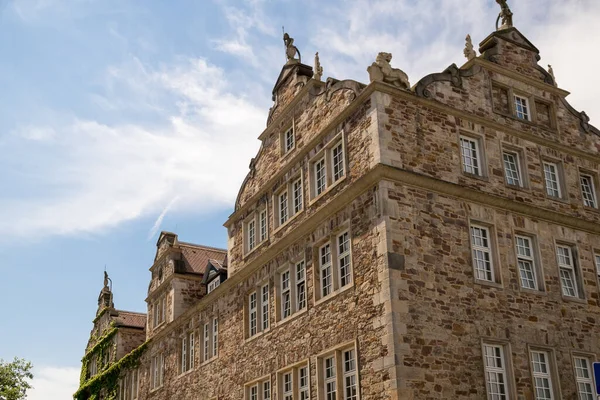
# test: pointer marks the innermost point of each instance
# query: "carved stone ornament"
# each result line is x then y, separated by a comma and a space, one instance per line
505, 16
469, 52
551, 72
290, 49
318, 69
381, 70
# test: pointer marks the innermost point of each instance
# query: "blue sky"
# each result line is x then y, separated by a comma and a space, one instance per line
122, 118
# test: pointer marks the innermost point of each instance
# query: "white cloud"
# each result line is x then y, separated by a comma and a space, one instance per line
100, 175
54, 383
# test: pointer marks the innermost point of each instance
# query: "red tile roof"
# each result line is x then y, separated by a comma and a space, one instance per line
131, 319
196, 257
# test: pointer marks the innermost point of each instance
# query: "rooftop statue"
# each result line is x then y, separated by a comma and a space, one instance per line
505, 15
468, 51
318, 69
381, 70
105, 279
290, 49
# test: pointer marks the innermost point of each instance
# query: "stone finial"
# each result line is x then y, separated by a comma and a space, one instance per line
106, 279
551, 72
318, 69
505, 16
290, 49
381, 70
469, 52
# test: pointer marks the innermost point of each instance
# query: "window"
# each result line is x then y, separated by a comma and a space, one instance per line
529, 271
328, 167
597, 259
262, 218
292, 290
260, 390
293, 383
512, 169
320, 181
335, 265
583, 376
588, 191
258, 310
187, 352
482, 253
93, 365
135, 384
542, 381
158, 311
338, 371
495, 372
289, 140
552, 179
256, 229
157, 371
522, 108
215, 338
567, 271
212, 285
289, 201
210, 339
471, 158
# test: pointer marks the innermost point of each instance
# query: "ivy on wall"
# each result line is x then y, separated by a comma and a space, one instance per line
108, 379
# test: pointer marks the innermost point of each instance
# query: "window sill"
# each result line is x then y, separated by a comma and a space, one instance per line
189, 371
156, 389
258, 246
289, 220
483, 178
257, 335
291, 317
334, 294
574, 299
517, 187
537, 292
327, 190
210, 360
591, 209
557, 199
488, 283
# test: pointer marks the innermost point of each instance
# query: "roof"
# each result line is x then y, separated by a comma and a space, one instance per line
195, 257
130, 319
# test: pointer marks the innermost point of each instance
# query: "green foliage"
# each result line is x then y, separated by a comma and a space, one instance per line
109, 378
14, 378
103, 345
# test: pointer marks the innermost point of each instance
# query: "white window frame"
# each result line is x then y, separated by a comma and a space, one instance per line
187, 352
567, 269
258, 310
472, 163
336, 375
597, 264
513, 172
588, 190
552, 179
525, 250
495, 365
215, 283
291, 290
584, 377
157, 371
206, 342
540, 360
135, 383
294, 382
210, 339
215, 337
159, 309
288, 140
289, 201
522, 107
479, 247
255, 229
331, 264
328, 167
259, 389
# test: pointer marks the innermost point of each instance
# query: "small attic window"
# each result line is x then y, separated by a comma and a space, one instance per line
160, 274
212, 285
288, 140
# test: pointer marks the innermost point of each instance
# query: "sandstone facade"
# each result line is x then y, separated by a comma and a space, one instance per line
397, 194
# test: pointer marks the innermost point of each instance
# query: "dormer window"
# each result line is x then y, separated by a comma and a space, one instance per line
212, 285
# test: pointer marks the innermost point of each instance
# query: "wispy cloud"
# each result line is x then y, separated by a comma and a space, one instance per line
154, 230
98, 175
53, 383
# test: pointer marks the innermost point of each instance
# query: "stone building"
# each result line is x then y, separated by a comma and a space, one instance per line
433, 241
